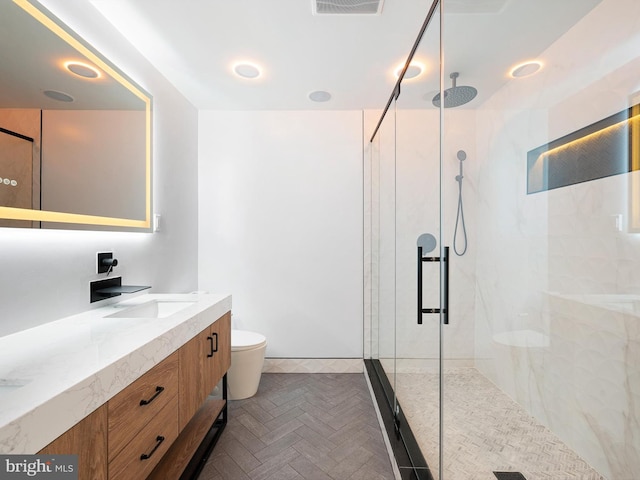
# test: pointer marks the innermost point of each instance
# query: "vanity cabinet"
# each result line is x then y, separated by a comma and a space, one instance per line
146, 448
143, 421
153, 427
203, 362
87, 439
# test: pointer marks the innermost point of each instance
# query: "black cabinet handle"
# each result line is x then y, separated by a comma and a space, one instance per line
146, 456
210, 354
213, 350
159, 390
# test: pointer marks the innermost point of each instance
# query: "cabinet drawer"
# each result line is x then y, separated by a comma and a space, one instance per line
152, 441
140, 402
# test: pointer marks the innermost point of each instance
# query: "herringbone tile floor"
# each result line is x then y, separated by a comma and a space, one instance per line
302, 426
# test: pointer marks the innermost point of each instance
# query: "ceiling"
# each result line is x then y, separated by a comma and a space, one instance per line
194, 43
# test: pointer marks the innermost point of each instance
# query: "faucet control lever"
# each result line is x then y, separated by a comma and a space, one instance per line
106, 262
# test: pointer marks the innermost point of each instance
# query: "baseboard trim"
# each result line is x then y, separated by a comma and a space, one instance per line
313, 365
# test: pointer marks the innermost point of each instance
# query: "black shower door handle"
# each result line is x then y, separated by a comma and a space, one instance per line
445, 287
445, 293
419, 285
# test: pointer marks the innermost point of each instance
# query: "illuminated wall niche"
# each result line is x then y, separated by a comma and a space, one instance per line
608, 147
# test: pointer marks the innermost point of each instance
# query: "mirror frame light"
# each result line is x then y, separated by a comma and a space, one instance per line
12, 213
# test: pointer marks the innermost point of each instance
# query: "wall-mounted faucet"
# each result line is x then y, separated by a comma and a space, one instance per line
110, 287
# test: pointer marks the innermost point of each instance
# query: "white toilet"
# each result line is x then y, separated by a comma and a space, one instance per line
247, 358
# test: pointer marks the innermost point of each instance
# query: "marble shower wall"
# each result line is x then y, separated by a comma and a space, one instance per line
544, 333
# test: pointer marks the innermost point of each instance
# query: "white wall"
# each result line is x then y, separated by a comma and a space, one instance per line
280, 216
45, 274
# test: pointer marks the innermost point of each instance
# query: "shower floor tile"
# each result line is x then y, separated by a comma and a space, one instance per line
302, 426
485, 430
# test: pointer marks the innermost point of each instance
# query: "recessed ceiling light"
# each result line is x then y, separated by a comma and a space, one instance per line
414, 70
246, 70
525, 69
82, 69
320, 96
59, 96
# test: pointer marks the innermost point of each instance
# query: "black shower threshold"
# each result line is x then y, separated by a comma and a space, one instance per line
411, 463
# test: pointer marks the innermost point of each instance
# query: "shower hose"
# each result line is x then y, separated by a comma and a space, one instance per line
460, 221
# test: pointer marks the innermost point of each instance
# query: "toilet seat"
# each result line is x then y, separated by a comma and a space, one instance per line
245, 340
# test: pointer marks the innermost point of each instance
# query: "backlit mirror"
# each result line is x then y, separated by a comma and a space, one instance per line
75, 132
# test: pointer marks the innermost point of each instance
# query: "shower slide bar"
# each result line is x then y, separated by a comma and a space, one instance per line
445, 309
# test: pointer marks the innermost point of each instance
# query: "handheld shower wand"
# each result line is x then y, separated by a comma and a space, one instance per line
462, 156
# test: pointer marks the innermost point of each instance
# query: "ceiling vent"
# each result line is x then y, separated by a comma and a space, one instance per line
347, 7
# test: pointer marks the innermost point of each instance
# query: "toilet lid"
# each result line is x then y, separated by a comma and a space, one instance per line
244, 340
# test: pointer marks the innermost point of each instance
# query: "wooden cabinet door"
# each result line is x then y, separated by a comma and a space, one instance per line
88, 440
221, 330
192, 372
203, 362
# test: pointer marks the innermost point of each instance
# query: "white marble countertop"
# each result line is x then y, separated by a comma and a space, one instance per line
69, 367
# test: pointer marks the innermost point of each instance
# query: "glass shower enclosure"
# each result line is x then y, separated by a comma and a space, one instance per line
502, 295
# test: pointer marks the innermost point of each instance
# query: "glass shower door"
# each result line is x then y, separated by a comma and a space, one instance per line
381, 202
534, 186
419, 259
404, 192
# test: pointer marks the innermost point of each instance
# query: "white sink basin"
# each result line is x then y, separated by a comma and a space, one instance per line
152, 309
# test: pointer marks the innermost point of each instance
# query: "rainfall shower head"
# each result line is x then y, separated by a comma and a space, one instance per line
455, 96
